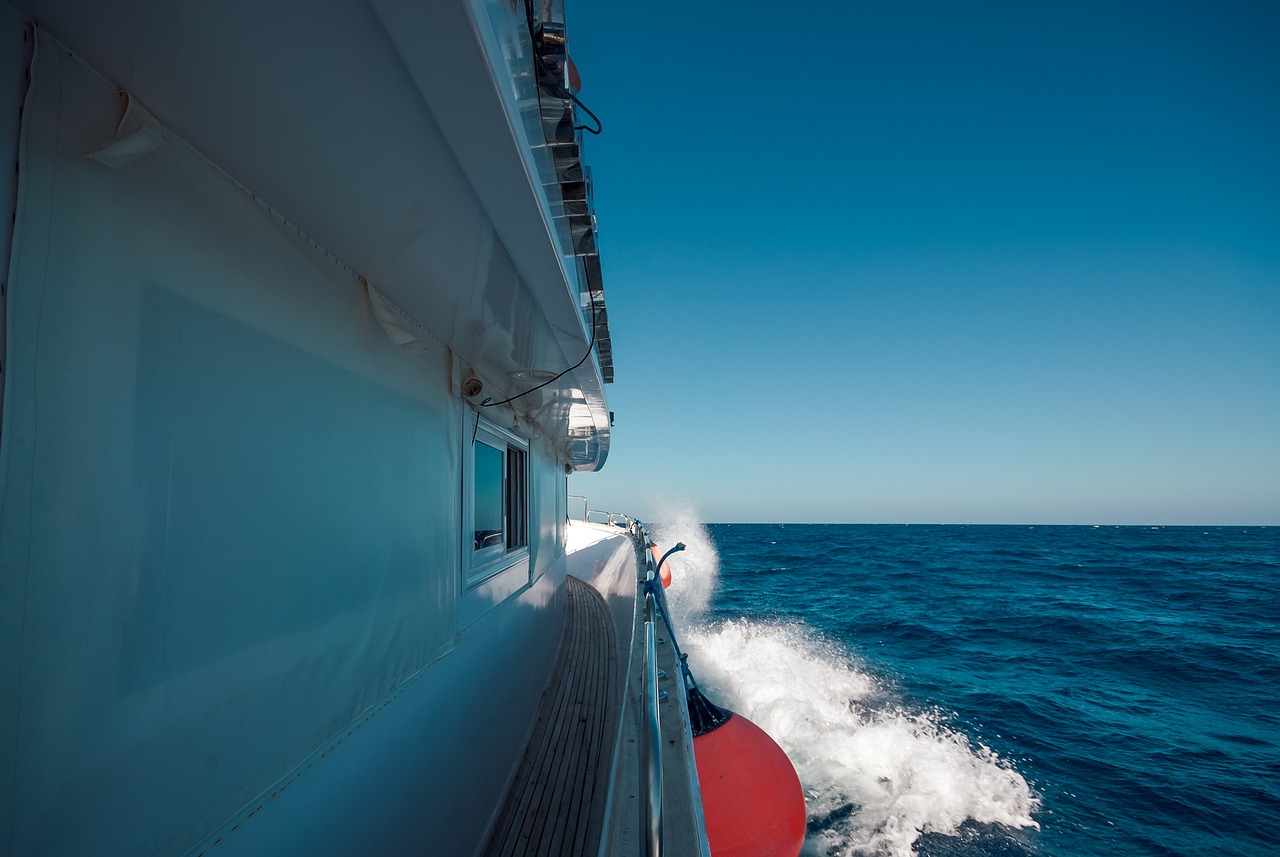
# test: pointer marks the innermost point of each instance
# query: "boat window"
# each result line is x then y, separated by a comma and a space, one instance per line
517, 498
497, 505
488, 502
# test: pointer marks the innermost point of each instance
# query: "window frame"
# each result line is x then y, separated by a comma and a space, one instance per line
515, 498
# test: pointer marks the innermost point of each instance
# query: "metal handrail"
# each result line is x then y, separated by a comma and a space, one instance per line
615, 519
651, 772
651, 729
656, 603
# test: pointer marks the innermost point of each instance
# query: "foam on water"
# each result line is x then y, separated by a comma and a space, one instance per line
876, 775
695, 570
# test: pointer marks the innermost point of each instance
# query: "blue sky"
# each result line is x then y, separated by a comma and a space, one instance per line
1007, 263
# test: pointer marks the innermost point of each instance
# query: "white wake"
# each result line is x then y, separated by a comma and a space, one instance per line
876, 775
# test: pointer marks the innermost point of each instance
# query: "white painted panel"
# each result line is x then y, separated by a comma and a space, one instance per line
230, 502
381, 133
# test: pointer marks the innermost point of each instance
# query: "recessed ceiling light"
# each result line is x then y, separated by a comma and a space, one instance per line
531, 375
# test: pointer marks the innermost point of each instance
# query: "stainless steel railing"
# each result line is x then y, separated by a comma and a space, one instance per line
651, 771
616, 519
655, 607
651, 729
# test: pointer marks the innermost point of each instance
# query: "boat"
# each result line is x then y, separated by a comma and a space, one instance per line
304, 331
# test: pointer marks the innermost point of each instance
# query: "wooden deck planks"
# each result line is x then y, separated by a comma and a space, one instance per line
555, 805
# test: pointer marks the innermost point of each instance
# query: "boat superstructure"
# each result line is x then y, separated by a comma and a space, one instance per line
304, 330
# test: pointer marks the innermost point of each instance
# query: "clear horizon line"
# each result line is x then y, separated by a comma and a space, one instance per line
978, 524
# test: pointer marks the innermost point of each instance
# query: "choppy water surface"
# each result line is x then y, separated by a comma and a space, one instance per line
981, 690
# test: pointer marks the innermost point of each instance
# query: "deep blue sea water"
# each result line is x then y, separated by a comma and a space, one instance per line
1063, 691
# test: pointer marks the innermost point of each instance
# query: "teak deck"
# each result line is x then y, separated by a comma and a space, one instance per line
556, 803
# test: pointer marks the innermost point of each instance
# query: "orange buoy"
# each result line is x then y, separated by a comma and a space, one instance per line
665, 571
751, 796
575, 79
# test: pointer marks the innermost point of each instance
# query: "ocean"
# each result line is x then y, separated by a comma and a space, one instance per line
1065, 691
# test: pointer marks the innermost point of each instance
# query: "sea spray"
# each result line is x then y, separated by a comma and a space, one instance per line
694, 570
877, 774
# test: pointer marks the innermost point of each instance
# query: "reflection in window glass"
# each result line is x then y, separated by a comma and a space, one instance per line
517, 499
487, 470
495, 502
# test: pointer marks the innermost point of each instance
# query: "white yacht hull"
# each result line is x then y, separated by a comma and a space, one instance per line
236, 607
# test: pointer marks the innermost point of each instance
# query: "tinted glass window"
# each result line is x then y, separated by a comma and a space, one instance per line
487, 471
517, 499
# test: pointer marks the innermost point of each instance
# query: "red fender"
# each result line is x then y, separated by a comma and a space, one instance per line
751, 796
575, 79
665, 571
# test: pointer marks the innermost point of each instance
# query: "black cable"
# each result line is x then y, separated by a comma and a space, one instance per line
590, 345
528, 7
587, 110
565, 92
562, 91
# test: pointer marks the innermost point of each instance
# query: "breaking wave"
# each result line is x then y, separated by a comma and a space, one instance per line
877, 775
